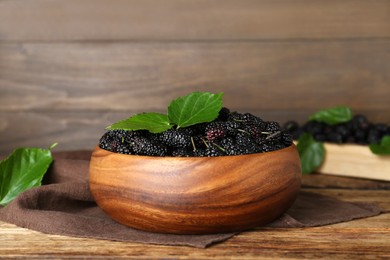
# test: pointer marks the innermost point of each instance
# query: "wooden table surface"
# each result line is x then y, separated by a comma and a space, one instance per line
357, 239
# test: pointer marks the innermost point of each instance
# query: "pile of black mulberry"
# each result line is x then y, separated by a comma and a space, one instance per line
232, 133
358, 130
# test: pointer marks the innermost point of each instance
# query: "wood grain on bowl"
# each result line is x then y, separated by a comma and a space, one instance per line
195, 195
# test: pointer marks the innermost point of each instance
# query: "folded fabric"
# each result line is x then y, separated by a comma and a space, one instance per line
64, 206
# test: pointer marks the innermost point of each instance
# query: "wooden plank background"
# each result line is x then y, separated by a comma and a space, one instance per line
70, 68
59, 20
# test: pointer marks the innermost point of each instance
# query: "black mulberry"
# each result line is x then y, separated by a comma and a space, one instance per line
175, 138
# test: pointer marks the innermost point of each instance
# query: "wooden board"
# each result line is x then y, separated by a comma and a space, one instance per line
355, 161
70, 20
363, 238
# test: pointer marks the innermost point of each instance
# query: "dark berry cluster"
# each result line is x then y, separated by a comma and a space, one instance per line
232, 133
358, 130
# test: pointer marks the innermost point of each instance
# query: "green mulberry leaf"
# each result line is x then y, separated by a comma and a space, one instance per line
22, 170
383, 148
312, 153
332, 116
153, 122
195, 108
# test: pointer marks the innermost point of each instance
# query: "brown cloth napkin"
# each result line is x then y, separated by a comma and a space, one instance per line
64, 206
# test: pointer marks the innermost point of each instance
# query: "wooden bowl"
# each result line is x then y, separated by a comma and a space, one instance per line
195, 195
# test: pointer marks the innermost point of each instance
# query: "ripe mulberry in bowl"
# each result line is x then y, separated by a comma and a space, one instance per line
233, 174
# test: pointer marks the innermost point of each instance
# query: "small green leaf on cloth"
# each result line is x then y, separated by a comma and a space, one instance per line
153, 122
195, 108
383, 148
22, 170
311, 152
332, 116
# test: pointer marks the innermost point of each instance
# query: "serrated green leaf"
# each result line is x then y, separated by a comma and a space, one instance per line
22, 170
153, 122
383, 148
195, 108
312, 153
332, 116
